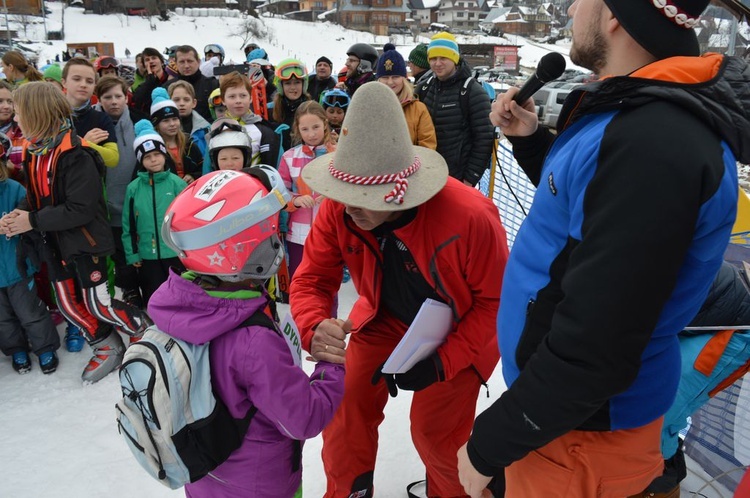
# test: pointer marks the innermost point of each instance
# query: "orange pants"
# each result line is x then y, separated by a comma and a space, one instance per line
584, 464
441, 419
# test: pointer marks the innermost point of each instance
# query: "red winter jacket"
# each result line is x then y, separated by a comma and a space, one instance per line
460, 247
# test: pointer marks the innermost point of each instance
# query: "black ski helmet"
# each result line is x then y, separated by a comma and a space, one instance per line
365, 53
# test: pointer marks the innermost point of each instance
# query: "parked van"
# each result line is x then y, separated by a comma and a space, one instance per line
549, 101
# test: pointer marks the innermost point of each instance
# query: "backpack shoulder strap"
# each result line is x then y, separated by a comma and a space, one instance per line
463, 98
261, 319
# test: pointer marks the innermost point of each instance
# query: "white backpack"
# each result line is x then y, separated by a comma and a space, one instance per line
174, 425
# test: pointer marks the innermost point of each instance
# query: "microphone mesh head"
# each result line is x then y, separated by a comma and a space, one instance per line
550, 67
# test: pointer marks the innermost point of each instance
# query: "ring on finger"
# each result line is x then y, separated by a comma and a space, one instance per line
326, 348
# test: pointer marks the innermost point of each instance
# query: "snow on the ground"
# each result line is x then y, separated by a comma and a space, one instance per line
59, 439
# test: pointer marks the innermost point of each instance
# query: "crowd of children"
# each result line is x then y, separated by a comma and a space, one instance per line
94, 223
110, 244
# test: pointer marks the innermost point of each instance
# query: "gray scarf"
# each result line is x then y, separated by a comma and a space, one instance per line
121, 175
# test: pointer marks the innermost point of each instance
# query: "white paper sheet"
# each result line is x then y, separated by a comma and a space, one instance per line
427, 332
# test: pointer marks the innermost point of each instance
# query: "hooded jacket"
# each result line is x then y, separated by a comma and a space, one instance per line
146, 201
250, 366
419, 123
637, 196
464, 136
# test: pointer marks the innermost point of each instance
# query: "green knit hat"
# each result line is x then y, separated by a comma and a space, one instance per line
53, 72
418, 56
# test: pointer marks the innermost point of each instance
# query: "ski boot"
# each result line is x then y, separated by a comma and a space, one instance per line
108, 353
73, 339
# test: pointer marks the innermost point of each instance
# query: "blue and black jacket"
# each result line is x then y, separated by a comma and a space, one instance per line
635, 202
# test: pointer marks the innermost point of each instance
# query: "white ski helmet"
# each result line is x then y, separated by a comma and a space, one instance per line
225, 133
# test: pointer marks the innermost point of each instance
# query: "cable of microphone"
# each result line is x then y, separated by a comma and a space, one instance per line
550, 67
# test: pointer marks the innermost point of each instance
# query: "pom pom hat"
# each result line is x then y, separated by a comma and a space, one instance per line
391, 63
162, 107
418, 56
444, 45
147, 140
375, 165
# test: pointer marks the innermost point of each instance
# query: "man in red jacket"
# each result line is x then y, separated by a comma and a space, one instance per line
407, 232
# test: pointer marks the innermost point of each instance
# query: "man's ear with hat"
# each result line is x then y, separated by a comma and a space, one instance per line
375, 165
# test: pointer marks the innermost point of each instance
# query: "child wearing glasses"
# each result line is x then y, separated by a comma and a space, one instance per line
291, 91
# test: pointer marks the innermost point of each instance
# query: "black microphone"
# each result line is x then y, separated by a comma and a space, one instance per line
550, 67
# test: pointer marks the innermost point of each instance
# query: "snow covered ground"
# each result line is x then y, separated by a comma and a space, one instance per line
58, 438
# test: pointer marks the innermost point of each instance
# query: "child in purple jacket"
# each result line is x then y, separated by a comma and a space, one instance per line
229, 248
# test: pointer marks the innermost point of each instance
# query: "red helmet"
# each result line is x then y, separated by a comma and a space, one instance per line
226, 224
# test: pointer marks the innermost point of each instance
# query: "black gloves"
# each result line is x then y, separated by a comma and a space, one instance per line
420, 376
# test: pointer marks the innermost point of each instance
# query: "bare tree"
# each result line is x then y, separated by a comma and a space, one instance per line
24, 20
251, 29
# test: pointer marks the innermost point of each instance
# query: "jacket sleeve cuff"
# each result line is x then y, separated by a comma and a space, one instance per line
478, 462
542, 137
33, 219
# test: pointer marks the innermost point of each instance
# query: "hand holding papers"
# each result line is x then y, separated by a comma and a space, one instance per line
427, 332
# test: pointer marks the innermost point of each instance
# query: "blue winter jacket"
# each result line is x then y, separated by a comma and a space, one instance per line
635, 202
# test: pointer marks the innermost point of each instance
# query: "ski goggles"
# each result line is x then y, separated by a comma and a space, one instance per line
292, 70
215, 49
224, 125
216, 101
335, 100
108, 62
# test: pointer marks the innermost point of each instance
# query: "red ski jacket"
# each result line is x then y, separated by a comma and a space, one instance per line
460, 247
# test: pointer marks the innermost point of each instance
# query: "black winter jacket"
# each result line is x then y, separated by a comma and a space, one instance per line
728, 301
142, 94
464, 136
315, 87
74, 220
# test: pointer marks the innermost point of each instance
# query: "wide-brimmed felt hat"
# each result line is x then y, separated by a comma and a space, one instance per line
663, 27
375, 165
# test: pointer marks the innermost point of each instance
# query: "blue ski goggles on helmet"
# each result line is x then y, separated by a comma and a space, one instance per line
335, 98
